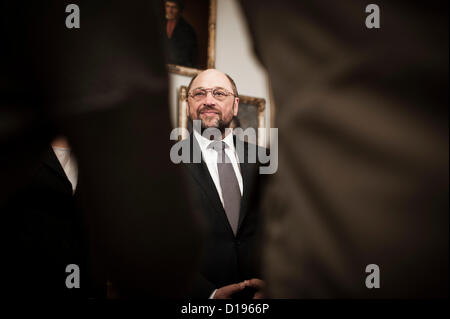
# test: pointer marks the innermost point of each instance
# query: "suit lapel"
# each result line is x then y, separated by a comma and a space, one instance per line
52, 162
201, 175
245, 170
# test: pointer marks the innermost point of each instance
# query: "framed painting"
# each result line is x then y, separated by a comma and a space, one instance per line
190, 34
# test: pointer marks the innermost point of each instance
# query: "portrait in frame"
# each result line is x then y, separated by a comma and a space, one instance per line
190, 32
251, 113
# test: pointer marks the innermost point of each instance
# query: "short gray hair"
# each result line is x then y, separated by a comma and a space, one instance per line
233, 85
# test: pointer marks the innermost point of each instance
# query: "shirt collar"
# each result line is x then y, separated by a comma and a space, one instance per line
204, 142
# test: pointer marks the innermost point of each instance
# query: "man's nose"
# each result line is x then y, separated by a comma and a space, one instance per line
209, 99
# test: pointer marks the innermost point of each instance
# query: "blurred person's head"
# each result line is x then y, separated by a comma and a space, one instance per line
173, 9
61, 142
212, 98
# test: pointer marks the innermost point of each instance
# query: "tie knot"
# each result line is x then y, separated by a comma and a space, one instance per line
218, 146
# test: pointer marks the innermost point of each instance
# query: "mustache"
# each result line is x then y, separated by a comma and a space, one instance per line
208, 108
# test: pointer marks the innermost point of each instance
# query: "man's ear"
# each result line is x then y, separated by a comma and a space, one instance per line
187, 108
236, 106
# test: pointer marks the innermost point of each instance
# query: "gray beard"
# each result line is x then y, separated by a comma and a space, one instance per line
220, 125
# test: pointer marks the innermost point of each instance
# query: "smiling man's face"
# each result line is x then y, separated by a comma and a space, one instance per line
212, 112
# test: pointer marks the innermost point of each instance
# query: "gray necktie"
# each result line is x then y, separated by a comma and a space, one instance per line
231, 193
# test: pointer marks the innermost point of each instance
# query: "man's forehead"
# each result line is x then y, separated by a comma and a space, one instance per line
212, 78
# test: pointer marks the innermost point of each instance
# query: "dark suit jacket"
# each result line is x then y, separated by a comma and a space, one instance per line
51, 236
227, 258
363, 147
94, 85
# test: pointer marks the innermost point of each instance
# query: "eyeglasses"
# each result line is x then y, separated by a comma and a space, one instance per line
219, 94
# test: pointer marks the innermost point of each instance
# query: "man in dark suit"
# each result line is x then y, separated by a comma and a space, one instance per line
225, 186
52, 233
181, 36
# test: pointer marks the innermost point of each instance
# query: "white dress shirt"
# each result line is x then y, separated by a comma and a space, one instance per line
68, 163
210, 157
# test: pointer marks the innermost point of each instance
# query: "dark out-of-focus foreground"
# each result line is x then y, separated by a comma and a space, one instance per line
362, 119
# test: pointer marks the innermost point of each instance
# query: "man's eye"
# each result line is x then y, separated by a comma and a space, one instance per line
199, 93
219, 93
